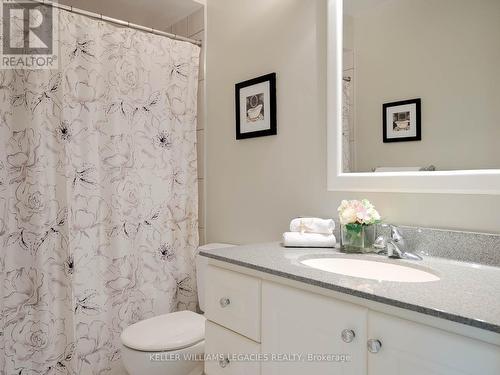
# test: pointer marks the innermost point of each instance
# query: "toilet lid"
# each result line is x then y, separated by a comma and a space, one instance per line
165, 332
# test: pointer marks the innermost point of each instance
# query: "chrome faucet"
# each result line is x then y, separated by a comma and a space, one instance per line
396, 246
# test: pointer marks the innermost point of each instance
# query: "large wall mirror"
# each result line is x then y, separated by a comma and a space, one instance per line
414, 95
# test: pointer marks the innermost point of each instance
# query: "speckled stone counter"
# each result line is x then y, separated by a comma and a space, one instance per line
466, 293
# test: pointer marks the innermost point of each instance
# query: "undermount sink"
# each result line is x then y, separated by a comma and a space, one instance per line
374, 270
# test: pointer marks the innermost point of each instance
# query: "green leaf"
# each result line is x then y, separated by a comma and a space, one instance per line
354, 227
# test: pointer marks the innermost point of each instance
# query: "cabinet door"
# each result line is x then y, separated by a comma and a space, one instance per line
410, 348
228, 353
233, 301
295, 323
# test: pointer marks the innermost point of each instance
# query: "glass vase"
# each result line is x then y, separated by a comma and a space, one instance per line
357, 238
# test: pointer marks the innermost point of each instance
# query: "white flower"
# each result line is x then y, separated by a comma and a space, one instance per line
22, 154
84, 87
137, 307
35, 208
123, 278
37, 338
95, 347
88, 213
22, 289
117, 153
176, 101
130, 77
348, 215
358, 212
373, 213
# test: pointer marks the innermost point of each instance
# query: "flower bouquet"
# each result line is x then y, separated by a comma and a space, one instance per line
358, 220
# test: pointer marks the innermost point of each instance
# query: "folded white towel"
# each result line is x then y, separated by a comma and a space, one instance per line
312, 225
297, 239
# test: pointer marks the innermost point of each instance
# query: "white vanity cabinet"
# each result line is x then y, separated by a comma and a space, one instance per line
233, 301
313, 333
410, 348
304, 323
233, 310
226, 344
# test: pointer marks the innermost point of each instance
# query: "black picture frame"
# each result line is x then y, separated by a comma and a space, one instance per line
272, 104
418, 111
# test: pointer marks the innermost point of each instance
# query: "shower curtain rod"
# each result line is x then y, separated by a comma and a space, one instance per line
118, 22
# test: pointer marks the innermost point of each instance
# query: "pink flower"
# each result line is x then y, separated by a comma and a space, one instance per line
358, 212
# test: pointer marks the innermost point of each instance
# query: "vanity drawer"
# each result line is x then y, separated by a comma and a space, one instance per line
223, 345
233, 300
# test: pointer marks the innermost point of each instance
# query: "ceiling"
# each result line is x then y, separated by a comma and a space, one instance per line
158, 14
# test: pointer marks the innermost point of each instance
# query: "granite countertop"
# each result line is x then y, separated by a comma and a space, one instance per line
466, 293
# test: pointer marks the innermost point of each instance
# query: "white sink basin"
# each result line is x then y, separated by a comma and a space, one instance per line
368, 269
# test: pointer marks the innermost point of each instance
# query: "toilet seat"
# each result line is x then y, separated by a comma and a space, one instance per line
166, 332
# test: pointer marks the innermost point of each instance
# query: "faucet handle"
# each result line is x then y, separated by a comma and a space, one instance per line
396, 234
394, 247
380, 244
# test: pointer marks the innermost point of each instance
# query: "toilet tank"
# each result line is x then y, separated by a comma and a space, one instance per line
201, 265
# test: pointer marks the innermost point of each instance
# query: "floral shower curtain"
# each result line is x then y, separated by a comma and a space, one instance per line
98, 196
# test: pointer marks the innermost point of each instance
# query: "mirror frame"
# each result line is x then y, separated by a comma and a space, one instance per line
485, 181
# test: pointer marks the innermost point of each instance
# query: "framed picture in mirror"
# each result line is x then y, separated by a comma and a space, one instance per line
256, 107
402, 121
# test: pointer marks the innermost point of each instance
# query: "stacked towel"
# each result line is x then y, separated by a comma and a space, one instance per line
310, 232
297, 239
312, 225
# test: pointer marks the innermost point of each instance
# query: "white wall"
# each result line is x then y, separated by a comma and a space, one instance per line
446, 52
254, 187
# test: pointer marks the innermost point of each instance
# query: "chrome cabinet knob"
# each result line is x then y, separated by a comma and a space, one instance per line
224, 362
224, 302
374, 346
348, 335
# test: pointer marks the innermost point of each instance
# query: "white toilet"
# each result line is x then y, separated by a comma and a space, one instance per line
170, 344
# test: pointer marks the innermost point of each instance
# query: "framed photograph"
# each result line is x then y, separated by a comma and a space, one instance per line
402, 121
256, 107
